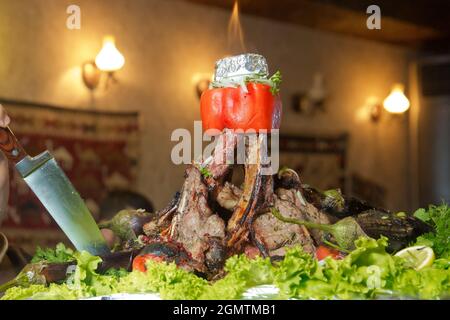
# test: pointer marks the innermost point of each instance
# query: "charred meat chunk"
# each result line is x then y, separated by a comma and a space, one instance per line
273, 236
194, 225
156, 228
220, 163
291, 189
310, 212
228, 196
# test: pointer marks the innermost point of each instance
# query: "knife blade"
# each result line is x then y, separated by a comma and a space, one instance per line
52, 187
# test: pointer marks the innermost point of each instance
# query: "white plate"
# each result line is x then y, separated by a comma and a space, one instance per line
264, 292
128, 296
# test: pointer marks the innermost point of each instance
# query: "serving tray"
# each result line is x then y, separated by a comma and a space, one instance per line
263, 292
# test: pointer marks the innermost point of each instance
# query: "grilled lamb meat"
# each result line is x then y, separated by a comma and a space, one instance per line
273, 236
219, 164
157, 228
287, 179
291, 189
195, 226
215, 255
310, 212
228, 196
191, 232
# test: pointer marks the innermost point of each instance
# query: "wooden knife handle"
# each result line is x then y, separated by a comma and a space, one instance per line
11, 146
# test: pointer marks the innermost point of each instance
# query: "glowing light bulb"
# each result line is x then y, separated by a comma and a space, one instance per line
396, 102
109, 58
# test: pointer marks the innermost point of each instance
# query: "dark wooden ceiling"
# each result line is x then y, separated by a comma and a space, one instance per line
423, 24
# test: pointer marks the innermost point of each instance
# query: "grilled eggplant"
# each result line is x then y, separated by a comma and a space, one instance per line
128, 224
400, 228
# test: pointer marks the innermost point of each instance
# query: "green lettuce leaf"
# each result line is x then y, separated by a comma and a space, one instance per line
167, 279
439, 218
367, 272
60, 254
242, 273
21, 293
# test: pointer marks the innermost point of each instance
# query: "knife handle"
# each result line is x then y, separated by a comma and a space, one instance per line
11, 146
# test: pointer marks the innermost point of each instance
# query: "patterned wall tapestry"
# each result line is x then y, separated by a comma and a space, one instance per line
321, 161
97, 150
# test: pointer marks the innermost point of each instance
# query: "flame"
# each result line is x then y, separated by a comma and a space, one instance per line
235, 35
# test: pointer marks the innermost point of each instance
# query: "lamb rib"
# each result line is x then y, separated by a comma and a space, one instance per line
195, 226
157, 228
256, 196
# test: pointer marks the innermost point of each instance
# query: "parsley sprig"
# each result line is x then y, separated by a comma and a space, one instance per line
276, 81
205, 172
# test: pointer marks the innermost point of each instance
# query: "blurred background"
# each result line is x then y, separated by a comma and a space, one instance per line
365, 109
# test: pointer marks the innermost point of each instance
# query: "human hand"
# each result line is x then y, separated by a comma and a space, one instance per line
110, 238
4, 174
4, 122
4, 118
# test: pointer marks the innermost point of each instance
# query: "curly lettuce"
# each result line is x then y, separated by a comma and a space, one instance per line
242, 273
60, 254
439, 218
367, 272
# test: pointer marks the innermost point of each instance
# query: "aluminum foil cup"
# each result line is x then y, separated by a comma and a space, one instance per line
240, 66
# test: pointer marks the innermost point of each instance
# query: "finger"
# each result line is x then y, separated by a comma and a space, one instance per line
4, 118
109, 236
7, 120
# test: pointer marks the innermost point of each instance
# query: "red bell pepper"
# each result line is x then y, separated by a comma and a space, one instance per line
233, 108
322, 252
140, 260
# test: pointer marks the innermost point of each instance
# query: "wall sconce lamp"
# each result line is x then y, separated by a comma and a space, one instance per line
313, 100
107, 61
395, 103
201, 81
